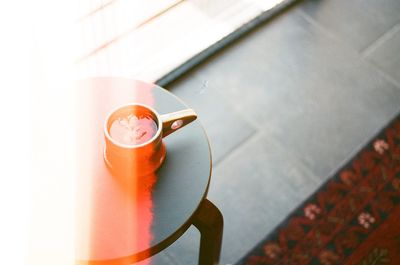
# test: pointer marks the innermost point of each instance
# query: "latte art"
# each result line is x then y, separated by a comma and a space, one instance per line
133, 130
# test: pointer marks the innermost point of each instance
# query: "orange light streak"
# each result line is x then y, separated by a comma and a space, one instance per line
114, 208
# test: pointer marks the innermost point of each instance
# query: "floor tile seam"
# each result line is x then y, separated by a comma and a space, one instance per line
325, 31
329, 34
232, 107
387, 35
292, 155
258, 129
237, 145
294, 158
236, 148
237, 112
383, 73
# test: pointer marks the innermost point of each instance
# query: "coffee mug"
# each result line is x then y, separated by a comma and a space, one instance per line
133, 137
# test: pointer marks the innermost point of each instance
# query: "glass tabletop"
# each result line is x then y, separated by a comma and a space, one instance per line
120, 219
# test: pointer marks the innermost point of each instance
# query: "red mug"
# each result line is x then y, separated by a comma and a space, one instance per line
133, 137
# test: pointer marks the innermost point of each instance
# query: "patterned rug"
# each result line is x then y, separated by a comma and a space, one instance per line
354, 218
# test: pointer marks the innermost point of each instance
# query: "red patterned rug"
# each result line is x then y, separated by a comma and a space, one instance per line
354, 218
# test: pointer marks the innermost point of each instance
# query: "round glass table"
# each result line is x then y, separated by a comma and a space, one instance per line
125, 220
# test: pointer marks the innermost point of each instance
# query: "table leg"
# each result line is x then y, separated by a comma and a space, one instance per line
209, 221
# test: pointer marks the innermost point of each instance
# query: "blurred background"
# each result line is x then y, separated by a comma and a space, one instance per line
284, 105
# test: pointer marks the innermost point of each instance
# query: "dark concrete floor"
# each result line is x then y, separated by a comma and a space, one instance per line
285, 106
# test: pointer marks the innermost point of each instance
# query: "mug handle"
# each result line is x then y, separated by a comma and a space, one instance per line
176, 120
